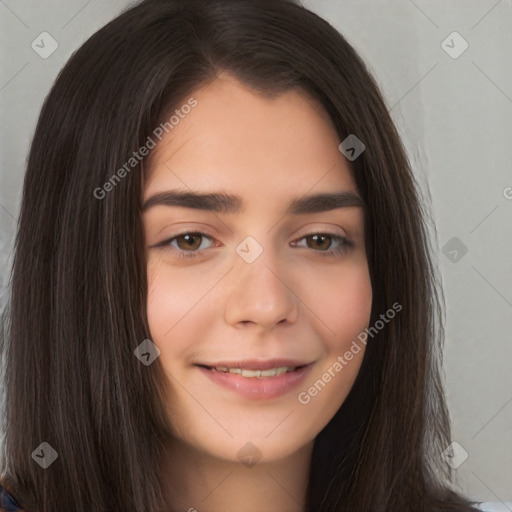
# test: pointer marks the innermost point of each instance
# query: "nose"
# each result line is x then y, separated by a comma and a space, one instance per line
261, 293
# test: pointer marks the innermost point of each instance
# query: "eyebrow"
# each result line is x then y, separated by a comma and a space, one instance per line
226, 203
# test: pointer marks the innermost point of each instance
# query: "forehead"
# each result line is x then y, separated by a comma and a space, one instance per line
236, 139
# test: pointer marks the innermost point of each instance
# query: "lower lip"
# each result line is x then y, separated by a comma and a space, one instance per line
258, 388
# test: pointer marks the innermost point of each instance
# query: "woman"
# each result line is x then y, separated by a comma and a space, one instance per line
289, 361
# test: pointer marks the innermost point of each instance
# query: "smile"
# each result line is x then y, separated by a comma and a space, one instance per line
271, 372
257, 384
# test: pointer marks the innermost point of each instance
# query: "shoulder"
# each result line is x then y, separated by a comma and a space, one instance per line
8, 502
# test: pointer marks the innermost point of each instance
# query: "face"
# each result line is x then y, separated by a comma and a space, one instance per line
263, 282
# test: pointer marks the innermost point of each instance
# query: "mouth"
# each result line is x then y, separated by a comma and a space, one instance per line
254, 373
257, 381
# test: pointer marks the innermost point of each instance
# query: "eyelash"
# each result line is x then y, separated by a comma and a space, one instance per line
345, 244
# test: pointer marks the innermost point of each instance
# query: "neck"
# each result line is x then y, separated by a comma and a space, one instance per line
197, 482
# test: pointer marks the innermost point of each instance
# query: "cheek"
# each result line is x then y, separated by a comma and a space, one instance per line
180, 311
162, 302
344, 309
344, 304
172, 298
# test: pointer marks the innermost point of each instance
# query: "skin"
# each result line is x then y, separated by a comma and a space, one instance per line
291, 302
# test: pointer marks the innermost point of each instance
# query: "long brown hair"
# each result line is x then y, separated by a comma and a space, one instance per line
77, 310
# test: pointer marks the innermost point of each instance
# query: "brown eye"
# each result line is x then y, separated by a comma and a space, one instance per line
186, 245
321, 244
190, 241
320, 241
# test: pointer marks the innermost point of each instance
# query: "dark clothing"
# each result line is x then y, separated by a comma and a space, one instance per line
8, 502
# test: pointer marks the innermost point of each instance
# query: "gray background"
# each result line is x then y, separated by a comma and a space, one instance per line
454, 115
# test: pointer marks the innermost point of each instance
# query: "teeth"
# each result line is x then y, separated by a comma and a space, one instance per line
271, 372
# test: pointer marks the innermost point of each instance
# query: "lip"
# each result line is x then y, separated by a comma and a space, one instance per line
257, 364
258, 388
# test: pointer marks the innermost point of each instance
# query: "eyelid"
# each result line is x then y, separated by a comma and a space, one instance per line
319, 227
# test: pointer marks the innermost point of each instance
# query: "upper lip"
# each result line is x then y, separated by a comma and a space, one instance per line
256, 364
